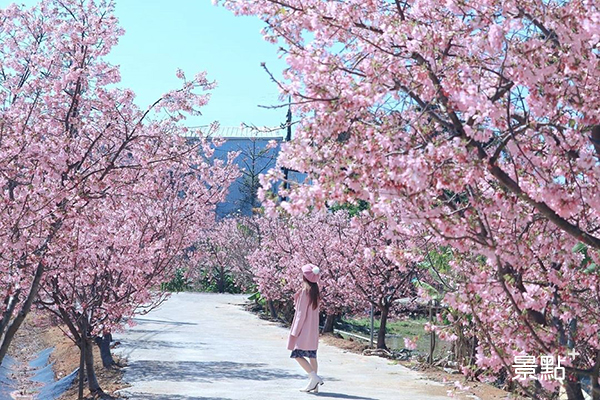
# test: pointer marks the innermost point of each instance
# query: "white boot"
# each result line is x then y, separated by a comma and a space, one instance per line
313, 383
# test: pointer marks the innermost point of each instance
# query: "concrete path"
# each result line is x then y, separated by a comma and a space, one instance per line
206, 347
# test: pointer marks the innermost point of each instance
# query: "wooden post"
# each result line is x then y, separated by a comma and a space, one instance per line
432, 310
372, 324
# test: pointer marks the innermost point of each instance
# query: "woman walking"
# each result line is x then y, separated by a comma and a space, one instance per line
304, 335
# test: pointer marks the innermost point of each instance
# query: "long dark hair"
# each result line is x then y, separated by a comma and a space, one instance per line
313, 292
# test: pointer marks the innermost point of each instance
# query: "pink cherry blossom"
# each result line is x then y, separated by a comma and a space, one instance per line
475, 123
100, 199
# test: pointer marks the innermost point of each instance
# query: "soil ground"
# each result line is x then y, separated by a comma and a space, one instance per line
38, 333
66, 360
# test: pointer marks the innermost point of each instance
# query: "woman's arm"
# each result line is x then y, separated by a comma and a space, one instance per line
301, 310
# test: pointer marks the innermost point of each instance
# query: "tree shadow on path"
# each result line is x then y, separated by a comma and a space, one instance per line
205, 371
140, 321
162, 345
342, 396
148, 396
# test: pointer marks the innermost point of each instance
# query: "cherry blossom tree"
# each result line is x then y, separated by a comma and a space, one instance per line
360, 264
246, 237
269, 262
321, 238
290, 242
383, 270
479, 121
74, 151
225, 249
124, 248
214, 269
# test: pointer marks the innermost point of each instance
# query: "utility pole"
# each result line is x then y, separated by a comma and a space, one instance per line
288, 137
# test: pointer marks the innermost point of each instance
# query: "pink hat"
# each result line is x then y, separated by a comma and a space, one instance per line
311, 272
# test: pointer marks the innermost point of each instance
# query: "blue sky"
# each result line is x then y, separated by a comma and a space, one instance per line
161, 36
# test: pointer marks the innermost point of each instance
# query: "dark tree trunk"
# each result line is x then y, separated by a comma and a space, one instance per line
328, 325
16, 323
10, 303
31, 295
573, 390
103, 343
81, 368
595, 375
221, 281
272, 309
93, 384
595, 138
385, 310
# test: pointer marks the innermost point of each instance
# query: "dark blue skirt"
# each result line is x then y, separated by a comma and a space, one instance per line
304, 353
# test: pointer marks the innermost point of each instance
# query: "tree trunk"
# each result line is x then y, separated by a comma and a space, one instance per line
81, 368
10, 305
16, 323
328, 325
221, 286
385, 310
33, 291
221, 281
103, 343
595, 375
93, 384
573, 390
595, 138
272, 309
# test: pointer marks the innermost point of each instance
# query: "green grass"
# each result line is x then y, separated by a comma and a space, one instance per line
396, 331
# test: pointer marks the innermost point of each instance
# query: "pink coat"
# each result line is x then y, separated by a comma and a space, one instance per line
304, 334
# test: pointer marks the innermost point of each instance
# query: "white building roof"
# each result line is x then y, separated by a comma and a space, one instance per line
231, 132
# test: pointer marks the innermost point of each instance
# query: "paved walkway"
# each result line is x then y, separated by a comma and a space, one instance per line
206, 347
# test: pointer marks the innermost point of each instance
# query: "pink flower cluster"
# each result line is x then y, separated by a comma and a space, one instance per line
352, 253
477, 122
99, 198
